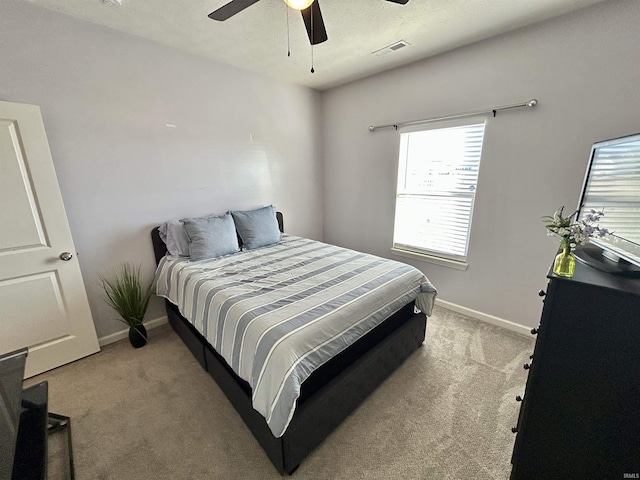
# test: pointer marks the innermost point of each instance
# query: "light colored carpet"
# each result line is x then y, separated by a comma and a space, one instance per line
154, 413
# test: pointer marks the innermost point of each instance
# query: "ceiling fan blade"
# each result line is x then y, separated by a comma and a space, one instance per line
230, 9
314, 23
401, 2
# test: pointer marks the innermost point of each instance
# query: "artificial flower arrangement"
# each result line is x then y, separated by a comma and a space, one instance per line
572, 233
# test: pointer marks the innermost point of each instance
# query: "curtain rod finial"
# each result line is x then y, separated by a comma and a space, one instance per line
371, 128
532, 103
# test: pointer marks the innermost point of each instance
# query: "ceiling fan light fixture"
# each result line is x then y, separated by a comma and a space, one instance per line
299, 4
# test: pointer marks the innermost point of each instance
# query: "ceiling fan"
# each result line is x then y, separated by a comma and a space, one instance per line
310, 10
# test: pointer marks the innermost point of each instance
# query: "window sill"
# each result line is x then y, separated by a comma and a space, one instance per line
445, 262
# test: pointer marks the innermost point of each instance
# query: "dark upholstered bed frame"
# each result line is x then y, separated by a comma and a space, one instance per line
328, 396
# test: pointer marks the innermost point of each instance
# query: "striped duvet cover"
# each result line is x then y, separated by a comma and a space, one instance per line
277, 313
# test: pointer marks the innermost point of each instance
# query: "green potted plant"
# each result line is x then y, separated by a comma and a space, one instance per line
125, 293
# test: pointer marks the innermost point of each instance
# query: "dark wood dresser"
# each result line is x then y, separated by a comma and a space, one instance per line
580, 412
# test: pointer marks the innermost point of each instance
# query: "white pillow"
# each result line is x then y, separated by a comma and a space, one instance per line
175, 238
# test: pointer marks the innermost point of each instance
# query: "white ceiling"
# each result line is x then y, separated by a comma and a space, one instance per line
256, 38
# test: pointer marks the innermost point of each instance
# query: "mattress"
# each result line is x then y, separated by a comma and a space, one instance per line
277, 313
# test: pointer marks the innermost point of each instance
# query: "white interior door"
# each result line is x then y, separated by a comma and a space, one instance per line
43, 302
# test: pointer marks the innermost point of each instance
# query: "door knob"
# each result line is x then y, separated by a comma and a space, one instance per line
66, 256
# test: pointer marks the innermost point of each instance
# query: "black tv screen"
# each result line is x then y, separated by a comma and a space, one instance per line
612, 186
11, 375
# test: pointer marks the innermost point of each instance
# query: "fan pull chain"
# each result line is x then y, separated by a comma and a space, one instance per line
312, 38
288, 42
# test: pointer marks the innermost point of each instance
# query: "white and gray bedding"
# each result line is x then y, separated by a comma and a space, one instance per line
278, 312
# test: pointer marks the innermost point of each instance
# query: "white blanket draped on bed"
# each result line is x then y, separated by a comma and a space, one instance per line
277, 313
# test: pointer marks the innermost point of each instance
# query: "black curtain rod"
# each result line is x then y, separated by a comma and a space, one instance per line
531, 103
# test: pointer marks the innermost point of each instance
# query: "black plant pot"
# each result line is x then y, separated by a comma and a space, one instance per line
138, 336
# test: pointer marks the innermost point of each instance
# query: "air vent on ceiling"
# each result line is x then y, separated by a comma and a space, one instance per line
394, 47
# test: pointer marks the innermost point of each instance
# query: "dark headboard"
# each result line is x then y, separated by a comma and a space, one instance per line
160, 250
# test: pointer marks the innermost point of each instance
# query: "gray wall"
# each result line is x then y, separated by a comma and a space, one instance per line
241, 140
584, 68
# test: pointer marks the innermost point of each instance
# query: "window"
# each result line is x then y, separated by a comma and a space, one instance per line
437, 178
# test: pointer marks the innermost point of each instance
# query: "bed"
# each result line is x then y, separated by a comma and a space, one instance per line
327, 393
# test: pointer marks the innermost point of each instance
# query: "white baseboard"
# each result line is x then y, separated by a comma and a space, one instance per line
114, 337
485, 317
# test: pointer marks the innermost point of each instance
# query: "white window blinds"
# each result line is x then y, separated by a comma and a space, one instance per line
437, 178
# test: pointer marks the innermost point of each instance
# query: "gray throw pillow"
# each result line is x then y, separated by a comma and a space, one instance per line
211, 237
257, 228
